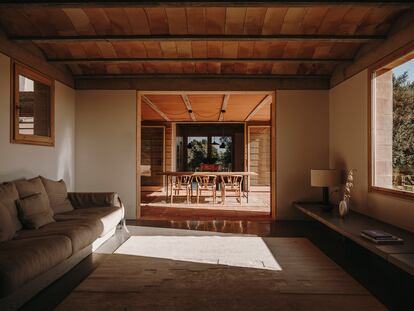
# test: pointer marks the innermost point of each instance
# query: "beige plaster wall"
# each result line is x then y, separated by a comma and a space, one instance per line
106, 143
24, 161
348, 144
302, 119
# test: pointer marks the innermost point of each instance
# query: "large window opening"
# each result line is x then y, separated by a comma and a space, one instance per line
392, 127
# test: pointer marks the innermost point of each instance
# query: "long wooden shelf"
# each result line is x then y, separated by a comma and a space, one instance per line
400, 255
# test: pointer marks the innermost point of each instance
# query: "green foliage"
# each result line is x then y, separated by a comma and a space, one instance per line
197, 153
403, 124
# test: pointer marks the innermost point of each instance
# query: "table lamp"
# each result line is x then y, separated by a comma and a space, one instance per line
325, 179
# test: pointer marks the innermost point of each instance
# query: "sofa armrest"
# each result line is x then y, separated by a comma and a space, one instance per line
94, 199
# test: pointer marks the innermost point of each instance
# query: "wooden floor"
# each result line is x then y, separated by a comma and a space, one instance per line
383, 282
154, 206
305, 280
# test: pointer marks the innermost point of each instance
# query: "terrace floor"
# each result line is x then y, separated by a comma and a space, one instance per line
154, 206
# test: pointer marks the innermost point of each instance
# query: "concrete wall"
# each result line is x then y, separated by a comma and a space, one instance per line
348, 143
302, 119
106, 144
24, 161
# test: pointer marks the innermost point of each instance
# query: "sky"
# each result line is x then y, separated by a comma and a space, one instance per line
407, 66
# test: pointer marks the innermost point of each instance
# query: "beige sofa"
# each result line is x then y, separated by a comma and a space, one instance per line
34, 258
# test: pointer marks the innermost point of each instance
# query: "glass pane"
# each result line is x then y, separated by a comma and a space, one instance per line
196, 152
222, 152
34, 107
403, 127
393, 127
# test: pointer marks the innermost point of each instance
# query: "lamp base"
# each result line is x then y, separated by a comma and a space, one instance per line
326, 206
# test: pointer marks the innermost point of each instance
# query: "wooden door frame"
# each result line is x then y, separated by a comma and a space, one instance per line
273, 140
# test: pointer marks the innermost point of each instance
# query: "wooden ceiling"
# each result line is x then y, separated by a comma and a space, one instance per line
206, 107
180, 38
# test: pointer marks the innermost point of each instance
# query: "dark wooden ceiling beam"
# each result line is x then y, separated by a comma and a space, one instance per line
185, 82
200, 76
195, 60
201, 3
300, 37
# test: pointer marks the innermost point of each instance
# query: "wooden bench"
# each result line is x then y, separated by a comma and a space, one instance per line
400, 255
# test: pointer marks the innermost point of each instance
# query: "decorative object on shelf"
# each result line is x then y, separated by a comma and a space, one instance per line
349, 184
325, 179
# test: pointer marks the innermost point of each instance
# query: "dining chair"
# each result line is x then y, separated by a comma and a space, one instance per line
206, 182
231, 183
183, 182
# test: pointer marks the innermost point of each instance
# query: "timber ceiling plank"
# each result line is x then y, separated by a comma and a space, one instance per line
158, 20
273, 20
138, 20
177, 21
172, 105
315, 31
215, 20
235, 20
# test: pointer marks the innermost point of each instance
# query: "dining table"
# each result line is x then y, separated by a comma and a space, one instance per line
245, 174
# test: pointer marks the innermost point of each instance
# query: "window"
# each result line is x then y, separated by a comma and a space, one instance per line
392, 127
32, 107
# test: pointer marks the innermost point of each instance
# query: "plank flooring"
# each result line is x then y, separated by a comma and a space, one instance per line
153, 206
308, 281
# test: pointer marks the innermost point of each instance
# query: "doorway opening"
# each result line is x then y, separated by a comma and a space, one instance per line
206, 155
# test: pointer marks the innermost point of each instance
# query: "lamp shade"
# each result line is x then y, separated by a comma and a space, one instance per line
325, 178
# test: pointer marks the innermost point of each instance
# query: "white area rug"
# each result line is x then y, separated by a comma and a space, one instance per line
247, 251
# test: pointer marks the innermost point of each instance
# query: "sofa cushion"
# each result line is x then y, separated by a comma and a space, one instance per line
23, 260
33, 213
26, 188
82, 232
9, 197
7, 229
109, 216
58, 195
93, 199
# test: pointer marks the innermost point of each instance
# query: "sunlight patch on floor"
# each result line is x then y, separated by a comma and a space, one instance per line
249, 252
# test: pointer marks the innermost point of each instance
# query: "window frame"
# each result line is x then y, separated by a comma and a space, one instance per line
15, 137
393, 60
